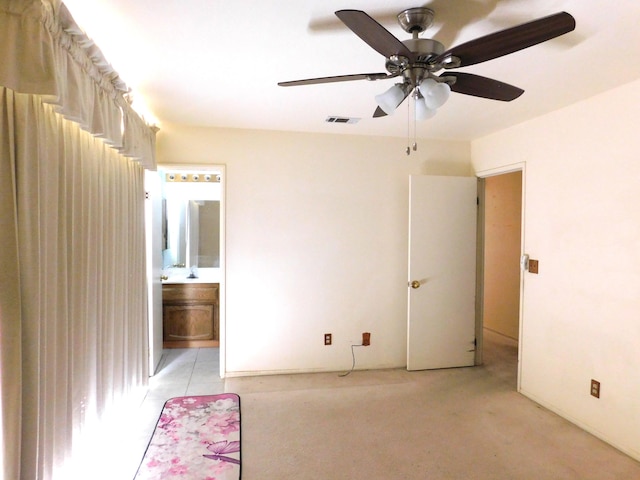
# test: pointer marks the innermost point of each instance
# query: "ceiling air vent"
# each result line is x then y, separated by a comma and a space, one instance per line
342, 120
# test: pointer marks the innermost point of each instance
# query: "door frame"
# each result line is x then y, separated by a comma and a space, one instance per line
482, 175
220, 169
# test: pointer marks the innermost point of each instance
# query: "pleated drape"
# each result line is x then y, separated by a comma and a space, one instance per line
10, 305
73, 311
73, 318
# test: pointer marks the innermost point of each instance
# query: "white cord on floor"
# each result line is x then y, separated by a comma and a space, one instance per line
353, 365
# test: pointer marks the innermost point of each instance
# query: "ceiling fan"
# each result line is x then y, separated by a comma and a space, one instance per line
417, 60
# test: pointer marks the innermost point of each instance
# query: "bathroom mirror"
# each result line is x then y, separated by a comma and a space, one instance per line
191, 221
193, 237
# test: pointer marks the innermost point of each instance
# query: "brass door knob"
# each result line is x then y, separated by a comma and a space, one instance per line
414, 284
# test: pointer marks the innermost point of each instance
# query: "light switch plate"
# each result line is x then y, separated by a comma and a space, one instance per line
533, 266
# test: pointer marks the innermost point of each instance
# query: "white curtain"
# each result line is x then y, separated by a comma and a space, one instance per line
73, 321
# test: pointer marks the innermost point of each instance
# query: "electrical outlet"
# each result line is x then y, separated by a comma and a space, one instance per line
366, 339
327, 339
595, 388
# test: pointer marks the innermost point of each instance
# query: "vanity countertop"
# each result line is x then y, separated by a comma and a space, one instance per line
181, 275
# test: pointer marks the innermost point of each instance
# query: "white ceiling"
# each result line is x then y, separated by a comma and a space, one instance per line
217, 63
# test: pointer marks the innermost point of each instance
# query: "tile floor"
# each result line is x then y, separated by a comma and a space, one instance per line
182, 371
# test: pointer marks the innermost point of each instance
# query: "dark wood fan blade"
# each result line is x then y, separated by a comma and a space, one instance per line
379, 113
470, 84
339, 78
374, 34
510, 40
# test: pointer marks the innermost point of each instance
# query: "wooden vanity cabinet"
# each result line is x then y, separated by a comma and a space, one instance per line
190, 314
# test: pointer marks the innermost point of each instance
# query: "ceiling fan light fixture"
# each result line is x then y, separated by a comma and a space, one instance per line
435, 93
389, 100
423, 112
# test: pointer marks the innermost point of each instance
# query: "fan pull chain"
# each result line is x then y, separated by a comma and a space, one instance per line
408, 127
415, 121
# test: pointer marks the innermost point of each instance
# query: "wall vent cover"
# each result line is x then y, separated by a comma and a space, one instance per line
342, 120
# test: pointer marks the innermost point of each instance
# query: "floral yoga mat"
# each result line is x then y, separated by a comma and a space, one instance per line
196, 438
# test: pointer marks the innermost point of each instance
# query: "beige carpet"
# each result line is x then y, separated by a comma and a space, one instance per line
466, 423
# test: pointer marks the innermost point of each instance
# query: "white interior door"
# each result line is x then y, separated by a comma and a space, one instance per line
442, 272
153, 214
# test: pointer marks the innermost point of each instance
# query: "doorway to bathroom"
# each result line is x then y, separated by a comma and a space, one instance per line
186, 253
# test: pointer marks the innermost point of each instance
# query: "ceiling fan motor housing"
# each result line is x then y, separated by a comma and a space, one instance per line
424, 48
420, 66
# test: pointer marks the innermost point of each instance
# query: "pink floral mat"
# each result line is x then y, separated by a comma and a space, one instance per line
196, 438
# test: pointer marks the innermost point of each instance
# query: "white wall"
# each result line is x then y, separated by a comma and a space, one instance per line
581, 315
316, 236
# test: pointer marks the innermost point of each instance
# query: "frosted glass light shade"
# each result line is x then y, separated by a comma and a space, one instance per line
435, 93
389, 100
423, 112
